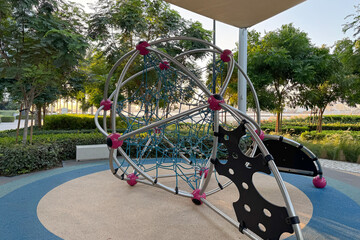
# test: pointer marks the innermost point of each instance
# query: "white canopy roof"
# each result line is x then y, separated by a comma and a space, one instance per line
239, 13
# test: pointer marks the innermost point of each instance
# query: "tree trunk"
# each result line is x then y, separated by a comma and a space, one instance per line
26, 123
38, 115
18, 126
31, 126
44, 113
28, 101
320, 120
278, 122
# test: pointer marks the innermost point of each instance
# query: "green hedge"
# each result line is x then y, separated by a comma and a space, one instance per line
7, 119
67, 142
74, 122
8, 112
341, 118
285, 128
298, 128
23, 116
46, 152
16, 159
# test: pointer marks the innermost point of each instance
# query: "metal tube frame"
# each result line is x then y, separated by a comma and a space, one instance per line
250, 125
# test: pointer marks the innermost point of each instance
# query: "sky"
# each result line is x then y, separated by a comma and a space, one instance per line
322, 20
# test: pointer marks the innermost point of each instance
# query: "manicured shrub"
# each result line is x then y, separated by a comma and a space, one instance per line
74, 122
288, 129
18, 159
23, 116
66, 143
7, 119
341, 118
8, 112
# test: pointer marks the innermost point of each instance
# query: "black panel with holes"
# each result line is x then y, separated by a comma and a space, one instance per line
252, 210
290, 158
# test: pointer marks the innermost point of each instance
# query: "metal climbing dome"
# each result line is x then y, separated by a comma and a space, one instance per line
174, 137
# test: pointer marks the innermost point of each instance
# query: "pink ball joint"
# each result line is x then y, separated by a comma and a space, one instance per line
113, 141
261, 135
319, 182
106, 103
164, 65
197, 197
205, 171
157, 130
214, 101
132, 179
225, 55
141, 47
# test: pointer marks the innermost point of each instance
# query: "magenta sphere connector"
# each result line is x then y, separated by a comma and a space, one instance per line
197, 197
106, 103
141, 47
214, 101
225, 55
164, 65
204, 171
113, 141
261, 135
132, 179
319, 182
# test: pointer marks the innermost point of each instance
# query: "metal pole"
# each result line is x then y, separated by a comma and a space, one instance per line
242, 59
214, 58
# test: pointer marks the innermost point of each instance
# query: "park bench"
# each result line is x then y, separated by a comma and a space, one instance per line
92, 152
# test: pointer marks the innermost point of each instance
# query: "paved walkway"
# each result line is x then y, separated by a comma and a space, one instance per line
11, 125
340, 165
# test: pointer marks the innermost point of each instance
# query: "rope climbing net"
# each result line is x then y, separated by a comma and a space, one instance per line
172, 136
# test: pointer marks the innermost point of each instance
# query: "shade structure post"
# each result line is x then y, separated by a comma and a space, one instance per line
242, 59
214, 58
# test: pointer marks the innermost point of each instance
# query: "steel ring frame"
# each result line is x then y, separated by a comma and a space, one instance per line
251, 126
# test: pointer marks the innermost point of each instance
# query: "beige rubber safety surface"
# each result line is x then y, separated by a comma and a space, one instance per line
100, 206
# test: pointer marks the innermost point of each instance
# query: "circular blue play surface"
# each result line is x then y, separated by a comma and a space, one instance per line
336, 208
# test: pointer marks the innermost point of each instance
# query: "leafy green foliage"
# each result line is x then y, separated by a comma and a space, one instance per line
7, 118
16, 160
40, 46
342, 145
8, 112
74, 122
278, 64
47, 152
117, 26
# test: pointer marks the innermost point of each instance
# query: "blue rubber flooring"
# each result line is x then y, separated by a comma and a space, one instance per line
336, 208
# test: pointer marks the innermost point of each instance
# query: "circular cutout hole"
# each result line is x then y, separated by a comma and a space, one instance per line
247, 208
231, 171
262, 227
248, 165
244, 185
234, 155
226, 137
267, 212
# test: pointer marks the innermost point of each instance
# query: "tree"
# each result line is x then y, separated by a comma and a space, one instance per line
278, 64
40, 46
327, 85
348, 52
354, 23
117, 26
